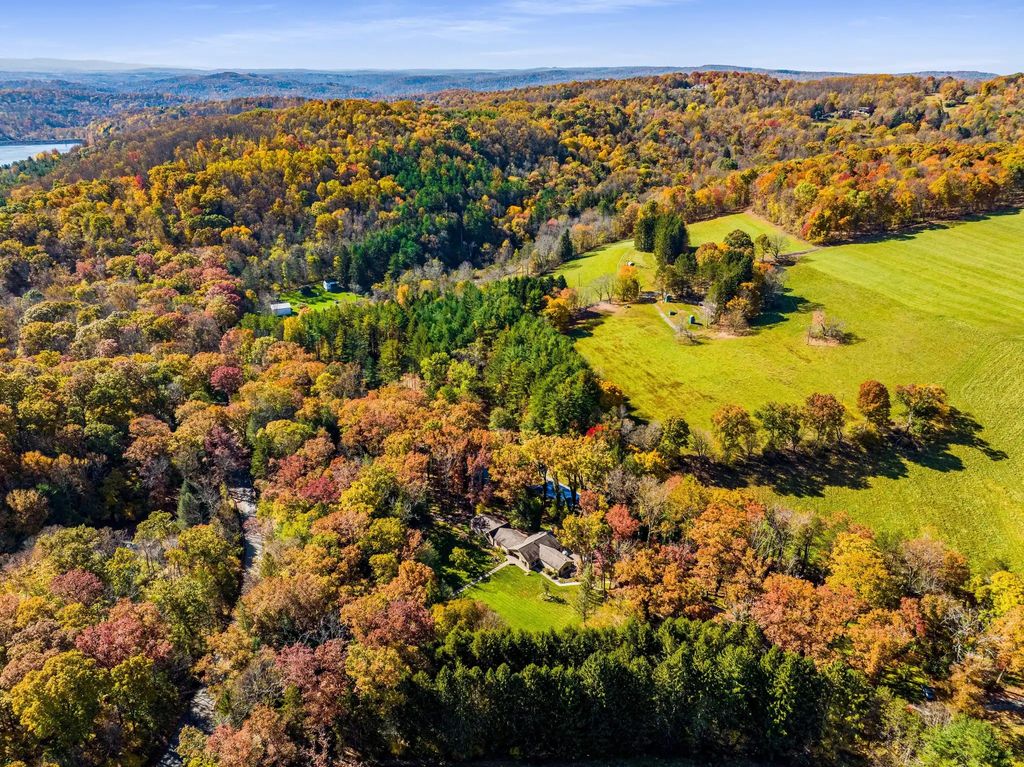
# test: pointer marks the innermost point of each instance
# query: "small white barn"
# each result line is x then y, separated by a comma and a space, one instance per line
281, 309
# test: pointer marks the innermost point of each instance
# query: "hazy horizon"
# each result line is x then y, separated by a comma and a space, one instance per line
326, 35
85, 66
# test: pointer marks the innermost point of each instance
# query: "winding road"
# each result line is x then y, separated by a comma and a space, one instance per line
200, 712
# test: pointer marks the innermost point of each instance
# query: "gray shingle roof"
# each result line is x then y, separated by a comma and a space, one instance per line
552, 557
537, 548
508, 538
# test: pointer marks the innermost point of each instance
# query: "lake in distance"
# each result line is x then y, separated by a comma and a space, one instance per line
14, 152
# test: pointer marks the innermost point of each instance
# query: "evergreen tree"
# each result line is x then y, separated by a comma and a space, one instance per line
670, 238
588, 597
643, 229
190, 506
564, 251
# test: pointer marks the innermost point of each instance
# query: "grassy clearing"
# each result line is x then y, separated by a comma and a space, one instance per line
318, 299
716, 229
585, 272
518, 598
938, 306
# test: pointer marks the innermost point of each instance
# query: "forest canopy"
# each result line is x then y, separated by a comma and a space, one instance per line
196, 494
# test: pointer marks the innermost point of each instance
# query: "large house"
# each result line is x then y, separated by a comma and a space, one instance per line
540, 551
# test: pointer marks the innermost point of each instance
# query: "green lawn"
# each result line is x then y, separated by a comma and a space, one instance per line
942, 306
716, 229
517, 597
583, 273
320, 298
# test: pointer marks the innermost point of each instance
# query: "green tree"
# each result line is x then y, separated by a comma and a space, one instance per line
73, 548
564, 251
143, 697
964, 742
675, 436
190, 608
125, 573
924, 407
735, 431
643, 229
781, 423
191, 509
739, 240
390, 367
203, 552
669, 238
434, 370
588, 597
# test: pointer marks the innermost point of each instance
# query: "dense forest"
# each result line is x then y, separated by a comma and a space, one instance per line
61, 102
54, 103
360, 191
142, 379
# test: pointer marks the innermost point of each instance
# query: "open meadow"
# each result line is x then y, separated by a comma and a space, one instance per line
586, 272
940, 305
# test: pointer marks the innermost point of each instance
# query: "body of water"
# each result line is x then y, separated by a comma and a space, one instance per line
14, 152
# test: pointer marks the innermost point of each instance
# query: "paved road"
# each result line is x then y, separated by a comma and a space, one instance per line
200, 713
252, 534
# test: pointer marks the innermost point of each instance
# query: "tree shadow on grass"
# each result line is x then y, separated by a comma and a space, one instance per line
808, 473
782, 308
965, 430
586, 323
910, 232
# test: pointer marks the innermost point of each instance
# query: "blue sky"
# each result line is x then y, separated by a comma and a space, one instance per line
864, 36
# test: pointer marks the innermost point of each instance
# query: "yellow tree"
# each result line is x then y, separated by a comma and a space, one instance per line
857, 563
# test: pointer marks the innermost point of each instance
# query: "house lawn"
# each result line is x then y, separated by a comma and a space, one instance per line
518, 598
474, 560
319, 300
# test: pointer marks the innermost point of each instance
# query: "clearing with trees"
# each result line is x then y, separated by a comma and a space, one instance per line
939, 305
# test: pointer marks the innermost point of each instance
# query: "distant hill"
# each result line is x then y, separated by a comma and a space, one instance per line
798, 74
55, 99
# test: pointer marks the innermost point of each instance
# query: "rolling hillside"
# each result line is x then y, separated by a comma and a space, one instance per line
937, 306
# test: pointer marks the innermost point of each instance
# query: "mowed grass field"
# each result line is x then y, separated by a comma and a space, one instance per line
584, 273
942, 305
518, 598
716, 229
319, 299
